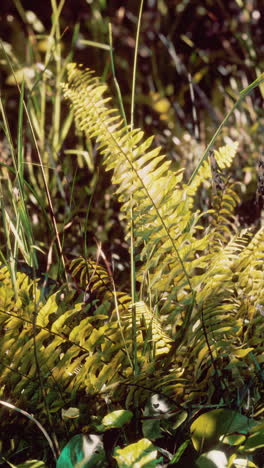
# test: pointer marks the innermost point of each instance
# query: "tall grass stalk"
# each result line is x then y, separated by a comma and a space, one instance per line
47, 144
119, 95
243, 94
17, 220
31, 418
132, 256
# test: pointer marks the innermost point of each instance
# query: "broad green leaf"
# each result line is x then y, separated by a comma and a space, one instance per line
179, 420
151, 429
207, 429
70, 413
116, 419
212, 459
138, 455
82, 452
241, 353
233, 439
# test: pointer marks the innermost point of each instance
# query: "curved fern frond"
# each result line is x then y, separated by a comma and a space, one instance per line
224, 223
224, 157
149, 328
144, 176
94, 278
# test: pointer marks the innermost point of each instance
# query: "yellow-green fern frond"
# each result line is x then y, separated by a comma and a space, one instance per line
149, 332
154, 338
223, 222
224, 157
147, 185
94, 278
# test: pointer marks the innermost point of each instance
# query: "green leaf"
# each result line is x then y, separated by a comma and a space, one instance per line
254, 441
241, 353
151, 429
117, 419
82, 452
177, 456
252, 85
70, 413
212, 459
179, 419
138, 455
233, 439
207, 429
30, 464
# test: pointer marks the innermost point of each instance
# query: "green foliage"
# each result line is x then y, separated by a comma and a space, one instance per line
82, 452
195, 275
116, 419
191, 326
29, 464
194, 332
139, 454
207, 429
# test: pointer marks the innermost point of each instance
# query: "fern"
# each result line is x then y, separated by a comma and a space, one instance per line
189, 269
144, 177
200, 297
76, 345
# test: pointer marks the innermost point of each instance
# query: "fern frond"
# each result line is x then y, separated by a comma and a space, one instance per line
150, 333
144, 176
224, 157
224, 223
94, 278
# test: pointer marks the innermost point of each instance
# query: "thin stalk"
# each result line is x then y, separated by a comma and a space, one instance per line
120, 325
135, 65
133, 292
242, 96
52, 214
11, 264
119, 95
23, 220
85, 228
21, 227
132, 256
42, 116
31, 418
38, 367
57, 56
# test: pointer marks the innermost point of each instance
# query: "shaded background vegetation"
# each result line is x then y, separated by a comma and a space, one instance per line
217, 46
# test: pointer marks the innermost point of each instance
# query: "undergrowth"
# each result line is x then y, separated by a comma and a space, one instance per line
157, 373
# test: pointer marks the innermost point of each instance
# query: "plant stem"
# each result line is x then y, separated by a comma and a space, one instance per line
242, 95
135, 65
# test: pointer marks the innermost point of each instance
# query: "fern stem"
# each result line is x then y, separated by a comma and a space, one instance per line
37, 363
135, 65
120, 325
